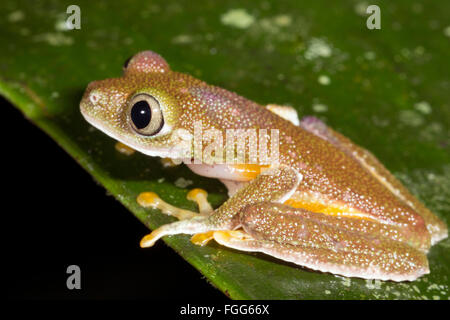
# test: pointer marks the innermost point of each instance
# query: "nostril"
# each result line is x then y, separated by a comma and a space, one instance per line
94, 97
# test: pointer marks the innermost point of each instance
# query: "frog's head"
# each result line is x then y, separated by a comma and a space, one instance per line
141, 109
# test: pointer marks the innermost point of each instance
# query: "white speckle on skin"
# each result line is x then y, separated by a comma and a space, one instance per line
237, 18
16, 16
183, 183
324, 80
423, 107
327, 292
318, 107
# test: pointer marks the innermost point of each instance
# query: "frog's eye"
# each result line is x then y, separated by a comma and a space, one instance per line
145, 115
145, 62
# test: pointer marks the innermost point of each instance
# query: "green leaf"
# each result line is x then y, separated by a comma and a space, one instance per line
387, 89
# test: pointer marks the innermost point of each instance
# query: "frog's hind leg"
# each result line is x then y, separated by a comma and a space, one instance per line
436, 227
302, 237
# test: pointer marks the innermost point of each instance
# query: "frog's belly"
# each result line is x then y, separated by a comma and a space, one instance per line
233, 177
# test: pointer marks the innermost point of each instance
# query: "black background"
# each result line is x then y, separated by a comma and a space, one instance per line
56, 215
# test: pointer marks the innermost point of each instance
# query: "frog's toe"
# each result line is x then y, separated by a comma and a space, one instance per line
221, 236
201, 239
152, 200
196, 225
200, 196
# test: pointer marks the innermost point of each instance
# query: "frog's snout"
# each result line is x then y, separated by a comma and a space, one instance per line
89, 98
102, 101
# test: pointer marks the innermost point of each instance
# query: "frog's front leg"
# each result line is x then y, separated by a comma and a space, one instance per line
275, 185
323, 243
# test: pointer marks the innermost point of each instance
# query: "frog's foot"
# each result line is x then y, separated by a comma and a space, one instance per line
151, 199
316, 243
285, 112
198, 224
200, 196
276, 184
124, 149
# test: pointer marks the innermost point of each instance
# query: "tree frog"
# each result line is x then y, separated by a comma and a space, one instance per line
326, 203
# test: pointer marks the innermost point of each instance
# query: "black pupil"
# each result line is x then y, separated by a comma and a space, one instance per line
141, 114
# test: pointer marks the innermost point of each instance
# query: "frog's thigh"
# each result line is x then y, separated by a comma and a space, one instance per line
436, 227
285, 112
324, 247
